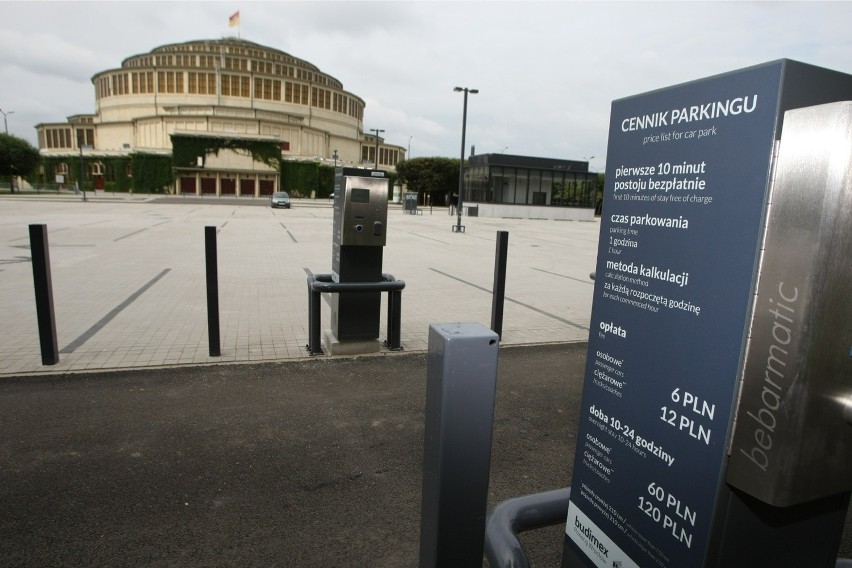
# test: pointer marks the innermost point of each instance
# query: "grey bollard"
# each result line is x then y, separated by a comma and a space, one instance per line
461, 381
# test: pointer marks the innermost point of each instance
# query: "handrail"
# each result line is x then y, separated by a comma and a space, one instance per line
513, 516
324, 283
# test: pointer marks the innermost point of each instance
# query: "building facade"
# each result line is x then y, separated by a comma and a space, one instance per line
230, 89
502, 185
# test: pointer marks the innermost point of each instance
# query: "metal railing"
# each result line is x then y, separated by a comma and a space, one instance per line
513, 516
319, 284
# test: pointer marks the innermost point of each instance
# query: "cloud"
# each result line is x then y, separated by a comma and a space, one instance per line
49, 55
547, 71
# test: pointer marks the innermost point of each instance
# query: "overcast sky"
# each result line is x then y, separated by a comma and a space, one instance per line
547, 72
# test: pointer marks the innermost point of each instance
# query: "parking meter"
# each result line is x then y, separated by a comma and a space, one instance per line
359, 235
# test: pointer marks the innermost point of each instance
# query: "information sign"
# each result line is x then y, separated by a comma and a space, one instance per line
686, 184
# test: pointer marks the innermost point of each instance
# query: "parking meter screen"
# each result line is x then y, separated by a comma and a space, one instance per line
360, 195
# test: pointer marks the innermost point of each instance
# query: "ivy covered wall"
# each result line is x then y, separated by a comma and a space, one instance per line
152, 173
143, 173
186, 149
300, 178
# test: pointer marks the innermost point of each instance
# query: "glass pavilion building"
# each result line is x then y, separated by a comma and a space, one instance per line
502, 185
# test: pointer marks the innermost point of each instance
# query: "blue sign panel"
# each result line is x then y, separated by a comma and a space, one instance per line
686, 184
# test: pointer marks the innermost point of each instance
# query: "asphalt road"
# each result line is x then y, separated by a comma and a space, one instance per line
310, 463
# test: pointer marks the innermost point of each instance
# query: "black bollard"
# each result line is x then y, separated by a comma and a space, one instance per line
212, 291
499, 293
43, 295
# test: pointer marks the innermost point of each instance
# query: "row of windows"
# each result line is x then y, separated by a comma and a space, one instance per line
201, 83
531, 187
387, 156
235, 86
63, 137
231, 49
297, 94
233, 64
120, 84
170, 82
92, 169
267, 89
57, 137
143, 82
231, 85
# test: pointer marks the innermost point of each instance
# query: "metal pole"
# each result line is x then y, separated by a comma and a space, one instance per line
461, 166
11, 165
461, 381
5, 120
465, 90
82, 175
377, 131
499, 293
212, 291
394, 319
43, 295
314, 307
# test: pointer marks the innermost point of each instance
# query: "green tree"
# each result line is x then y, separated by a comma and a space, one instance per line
436, 177
17, 157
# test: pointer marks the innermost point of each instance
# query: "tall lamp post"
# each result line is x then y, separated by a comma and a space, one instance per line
5, 120
458, 227
408, 156
335, 158
82, 170
377, 131
6, 124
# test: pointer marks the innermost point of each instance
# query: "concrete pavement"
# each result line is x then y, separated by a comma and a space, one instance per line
129, 278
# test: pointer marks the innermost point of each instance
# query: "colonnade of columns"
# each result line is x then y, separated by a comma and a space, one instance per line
211, 183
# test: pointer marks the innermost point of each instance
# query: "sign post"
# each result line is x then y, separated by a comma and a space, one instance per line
685, 205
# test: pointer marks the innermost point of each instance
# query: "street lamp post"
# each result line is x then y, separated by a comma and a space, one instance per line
5, 120
458, 227
6, 125
335, 158
408, 155
377, 131
82, 171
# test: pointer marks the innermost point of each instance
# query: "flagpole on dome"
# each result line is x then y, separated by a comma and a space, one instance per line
234, 22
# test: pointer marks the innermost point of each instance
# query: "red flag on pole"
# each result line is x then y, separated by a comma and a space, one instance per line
234, 20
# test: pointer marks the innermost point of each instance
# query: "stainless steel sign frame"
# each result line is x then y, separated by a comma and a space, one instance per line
792, 443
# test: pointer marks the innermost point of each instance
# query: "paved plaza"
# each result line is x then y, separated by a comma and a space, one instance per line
129, 284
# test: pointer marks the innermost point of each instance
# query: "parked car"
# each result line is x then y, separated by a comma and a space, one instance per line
280, 199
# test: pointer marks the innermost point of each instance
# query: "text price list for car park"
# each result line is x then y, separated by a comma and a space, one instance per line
634, 278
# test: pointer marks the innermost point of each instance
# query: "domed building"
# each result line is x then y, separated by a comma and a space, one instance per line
223, 109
